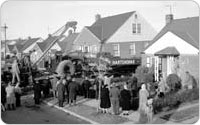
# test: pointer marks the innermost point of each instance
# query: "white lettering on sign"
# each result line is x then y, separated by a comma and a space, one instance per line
122, 62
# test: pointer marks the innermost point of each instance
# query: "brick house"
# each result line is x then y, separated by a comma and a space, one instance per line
124, 35
175, 49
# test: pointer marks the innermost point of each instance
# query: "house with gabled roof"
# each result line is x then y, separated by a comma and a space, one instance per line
175, 49
30, 43
124, 35
40, 47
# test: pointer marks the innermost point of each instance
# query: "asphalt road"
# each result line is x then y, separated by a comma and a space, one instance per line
28, 113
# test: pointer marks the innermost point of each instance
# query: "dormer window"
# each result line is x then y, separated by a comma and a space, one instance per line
136, 28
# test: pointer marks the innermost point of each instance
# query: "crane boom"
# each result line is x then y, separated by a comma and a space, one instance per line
71, 24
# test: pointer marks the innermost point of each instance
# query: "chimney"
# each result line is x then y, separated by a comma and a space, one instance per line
49, 35
169, 18
97, 17
29, 37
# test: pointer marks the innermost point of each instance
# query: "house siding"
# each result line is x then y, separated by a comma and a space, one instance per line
39, 54
186, 62
86, 38
125, 48
124, 33
189, 63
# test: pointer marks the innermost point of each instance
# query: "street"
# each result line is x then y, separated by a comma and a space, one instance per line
28, 113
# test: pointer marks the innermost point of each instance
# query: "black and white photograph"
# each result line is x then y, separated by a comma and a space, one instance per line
99, 62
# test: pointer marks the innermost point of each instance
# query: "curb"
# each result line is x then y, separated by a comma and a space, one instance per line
71, 113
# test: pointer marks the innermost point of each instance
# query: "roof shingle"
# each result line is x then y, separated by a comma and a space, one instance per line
186, 28
105, 27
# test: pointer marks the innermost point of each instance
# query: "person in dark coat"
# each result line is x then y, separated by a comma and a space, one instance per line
73, 88
105, 99
61, 92
86, 87
125, 100
37, 92
68, 80
46, 87
18, 94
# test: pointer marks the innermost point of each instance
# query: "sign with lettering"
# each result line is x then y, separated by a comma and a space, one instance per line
126, 61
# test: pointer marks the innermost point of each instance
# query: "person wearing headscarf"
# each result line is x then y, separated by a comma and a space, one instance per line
143, 98
10, 96
143, 95
114, 98
105, 99
125, 100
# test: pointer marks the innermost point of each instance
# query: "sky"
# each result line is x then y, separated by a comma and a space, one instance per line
39, 18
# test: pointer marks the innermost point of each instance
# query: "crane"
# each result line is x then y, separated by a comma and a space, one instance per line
63, 29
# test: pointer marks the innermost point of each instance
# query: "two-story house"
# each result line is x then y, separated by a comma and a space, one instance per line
124, 35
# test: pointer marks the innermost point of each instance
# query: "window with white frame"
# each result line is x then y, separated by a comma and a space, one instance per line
116, 49
148, 61
132, 49
136, 28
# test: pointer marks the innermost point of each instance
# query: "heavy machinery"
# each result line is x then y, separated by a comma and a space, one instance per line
59, 33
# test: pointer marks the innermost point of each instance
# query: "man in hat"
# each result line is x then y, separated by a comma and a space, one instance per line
61, 91
73, 88
114, 98
86, 86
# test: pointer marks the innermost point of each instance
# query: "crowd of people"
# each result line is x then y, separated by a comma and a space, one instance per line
10, 87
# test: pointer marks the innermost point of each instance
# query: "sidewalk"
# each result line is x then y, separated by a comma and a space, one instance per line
86, 109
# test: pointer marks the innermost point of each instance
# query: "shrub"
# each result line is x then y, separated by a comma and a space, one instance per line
144, 75
173, 99
174, 82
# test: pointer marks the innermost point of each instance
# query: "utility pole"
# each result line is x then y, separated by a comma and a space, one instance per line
5, 27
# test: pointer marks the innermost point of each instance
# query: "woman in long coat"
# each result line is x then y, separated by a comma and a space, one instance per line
143, 95
105, 99
125, 100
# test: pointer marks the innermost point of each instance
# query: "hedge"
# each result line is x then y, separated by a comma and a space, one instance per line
173, 99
